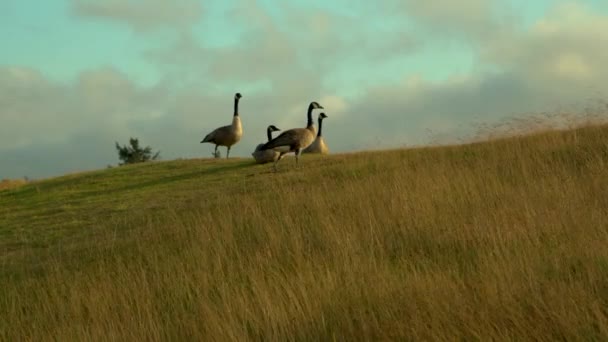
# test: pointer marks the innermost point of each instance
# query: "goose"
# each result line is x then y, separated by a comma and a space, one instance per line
318, 146
295, 139
227, 135
266, 156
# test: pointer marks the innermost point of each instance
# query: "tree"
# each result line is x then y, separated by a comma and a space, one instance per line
134, 153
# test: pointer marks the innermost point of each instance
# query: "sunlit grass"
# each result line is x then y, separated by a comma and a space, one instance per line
11, 183
503, 239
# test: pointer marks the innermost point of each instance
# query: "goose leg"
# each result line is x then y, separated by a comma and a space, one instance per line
277, 161
215, 152
227, 152
274, 165
298, 151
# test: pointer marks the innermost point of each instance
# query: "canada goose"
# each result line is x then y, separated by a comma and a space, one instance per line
318, 146
266, 156
227, 135
295, 139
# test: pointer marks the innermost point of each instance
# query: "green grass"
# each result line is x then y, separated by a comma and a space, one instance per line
504, 239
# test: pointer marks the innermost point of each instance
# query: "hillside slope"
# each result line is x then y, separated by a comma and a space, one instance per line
503, 239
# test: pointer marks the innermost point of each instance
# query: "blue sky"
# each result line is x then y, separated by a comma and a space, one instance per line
78, 75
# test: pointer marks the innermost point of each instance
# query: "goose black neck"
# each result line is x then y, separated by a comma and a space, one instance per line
269, 133
236, 106
309, 116
320, 126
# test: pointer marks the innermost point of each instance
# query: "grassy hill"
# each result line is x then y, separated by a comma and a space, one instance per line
506, 239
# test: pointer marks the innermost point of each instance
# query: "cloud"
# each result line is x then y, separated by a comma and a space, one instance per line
142, 15
471, 20
37, 110
561, 47
29, 107
414, 111
297, 46
39, 114
553, 64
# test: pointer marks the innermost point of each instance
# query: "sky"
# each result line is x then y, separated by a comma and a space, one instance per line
76, 76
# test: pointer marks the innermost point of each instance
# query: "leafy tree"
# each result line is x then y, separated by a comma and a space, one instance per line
134, 153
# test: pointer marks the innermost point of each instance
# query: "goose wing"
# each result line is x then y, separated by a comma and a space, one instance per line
218, 132
287, 138
259, 147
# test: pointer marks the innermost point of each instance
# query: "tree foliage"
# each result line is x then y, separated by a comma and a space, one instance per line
134, 153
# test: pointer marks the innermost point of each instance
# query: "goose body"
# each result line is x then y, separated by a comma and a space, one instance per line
295, 139
266, 156
227, 135
318, 146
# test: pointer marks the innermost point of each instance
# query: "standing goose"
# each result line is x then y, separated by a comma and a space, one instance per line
318, 146
227, 135
295, 139
266, 156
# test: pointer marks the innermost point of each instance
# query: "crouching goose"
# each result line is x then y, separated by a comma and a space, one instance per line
266, 156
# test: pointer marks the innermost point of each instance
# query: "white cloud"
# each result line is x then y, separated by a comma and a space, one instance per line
336, 105
560, 48
38, 111
572, 65
553, 64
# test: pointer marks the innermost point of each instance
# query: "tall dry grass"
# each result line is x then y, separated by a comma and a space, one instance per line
503, 240
11, 183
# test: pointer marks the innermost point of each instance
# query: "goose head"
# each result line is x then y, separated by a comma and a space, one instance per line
273, 128
237, 96
322, 115
315, 105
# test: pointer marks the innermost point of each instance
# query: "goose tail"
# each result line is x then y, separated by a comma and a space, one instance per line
208, 138
269, 145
